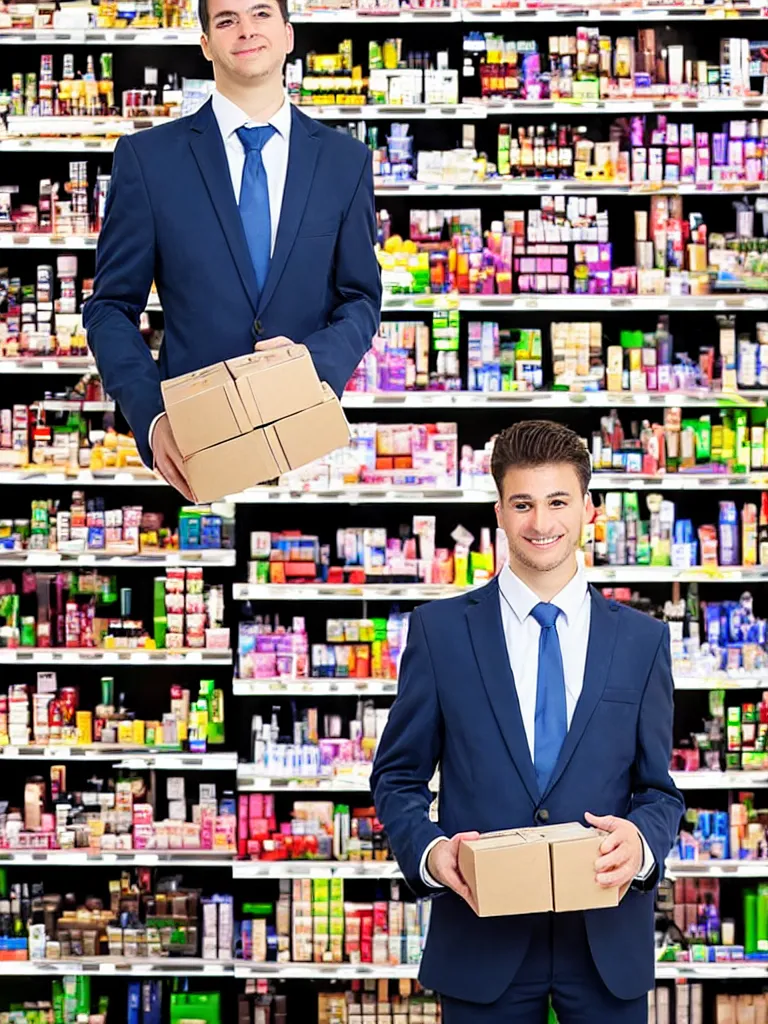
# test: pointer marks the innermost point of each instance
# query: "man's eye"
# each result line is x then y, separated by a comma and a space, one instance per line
520, 506
225, 23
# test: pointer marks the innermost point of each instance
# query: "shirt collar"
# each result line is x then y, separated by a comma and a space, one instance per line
230, 117
522, 599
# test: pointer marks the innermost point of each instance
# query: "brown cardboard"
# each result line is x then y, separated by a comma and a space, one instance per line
240, 423
574, 850
535, 870
276, 383
507, 874
204, 408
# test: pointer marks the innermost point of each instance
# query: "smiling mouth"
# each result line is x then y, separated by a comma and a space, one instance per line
542, 543
250, 51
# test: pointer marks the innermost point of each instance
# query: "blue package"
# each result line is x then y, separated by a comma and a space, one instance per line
134, 1002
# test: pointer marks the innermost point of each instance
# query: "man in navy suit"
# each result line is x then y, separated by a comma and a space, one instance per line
256, 222
542, 703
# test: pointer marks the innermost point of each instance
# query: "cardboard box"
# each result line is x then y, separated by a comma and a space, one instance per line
251, 419
535, 870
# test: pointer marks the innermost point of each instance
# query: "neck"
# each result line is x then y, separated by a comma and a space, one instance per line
545, 585
260, 102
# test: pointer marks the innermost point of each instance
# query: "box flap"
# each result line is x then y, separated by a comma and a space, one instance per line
276, 383
204, 409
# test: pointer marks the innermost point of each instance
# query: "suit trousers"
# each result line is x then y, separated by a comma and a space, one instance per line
557, 966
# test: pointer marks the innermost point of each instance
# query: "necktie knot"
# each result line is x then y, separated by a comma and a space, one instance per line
254, 139
546, 614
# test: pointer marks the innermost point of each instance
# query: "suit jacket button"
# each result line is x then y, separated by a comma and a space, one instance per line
542, 816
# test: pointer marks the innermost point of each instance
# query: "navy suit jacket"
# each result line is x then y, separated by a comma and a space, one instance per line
171, 215
457, 706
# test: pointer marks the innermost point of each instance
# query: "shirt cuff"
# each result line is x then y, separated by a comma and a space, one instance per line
426, 878
152, 426
649, 862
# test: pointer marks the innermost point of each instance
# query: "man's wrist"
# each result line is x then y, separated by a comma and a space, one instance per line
426, 877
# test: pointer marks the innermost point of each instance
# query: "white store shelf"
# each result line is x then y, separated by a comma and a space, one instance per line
559, 187
92, 559
721, 681
81, 478
433, 592
717, 868
117, 858
125, 757
548, 399
70, 365
148, 966
40, 241
315, 869
286, 687
323, 972
577, 303
712, 972
99, 658
250, 778
71, 405
110, 36
720, 780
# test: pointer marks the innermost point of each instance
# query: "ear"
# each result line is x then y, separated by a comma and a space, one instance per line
204, 47
289, 38
589, 508
497, 510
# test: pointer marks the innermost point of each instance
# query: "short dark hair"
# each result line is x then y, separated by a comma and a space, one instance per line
205, 21
539, 443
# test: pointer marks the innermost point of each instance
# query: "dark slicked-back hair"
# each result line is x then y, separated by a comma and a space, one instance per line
205, 21
539, 443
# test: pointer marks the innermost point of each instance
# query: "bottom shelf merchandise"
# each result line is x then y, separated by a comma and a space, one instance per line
741, 1009
379, 1002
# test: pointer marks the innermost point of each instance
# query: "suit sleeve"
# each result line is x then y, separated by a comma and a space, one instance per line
408, 752
657, 805
337, 349
125, 266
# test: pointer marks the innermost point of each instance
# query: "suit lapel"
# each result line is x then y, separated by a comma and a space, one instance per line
302, 157
208, 149
603, 631
487, 633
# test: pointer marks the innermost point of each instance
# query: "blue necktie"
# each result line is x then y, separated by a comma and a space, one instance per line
551, 714
254, 200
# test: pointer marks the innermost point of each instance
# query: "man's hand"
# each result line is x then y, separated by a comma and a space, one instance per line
443, 865
621, 852
268, 343
168, 461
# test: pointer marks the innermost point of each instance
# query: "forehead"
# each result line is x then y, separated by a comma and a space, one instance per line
216, 7
541, 481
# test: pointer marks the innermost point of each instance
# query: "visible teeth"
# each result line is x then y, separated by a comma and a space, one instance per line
544, 542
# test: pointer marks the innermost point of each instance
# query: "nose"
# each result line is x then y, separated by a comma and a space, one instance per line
541, 520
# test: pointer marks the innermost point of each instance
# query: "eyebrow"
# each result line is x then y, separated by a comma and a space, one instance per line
234, 14
529, 497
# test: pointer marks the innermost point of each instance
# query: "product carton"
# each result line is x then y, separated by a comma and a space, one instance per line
508, 873
534, 870
250, 419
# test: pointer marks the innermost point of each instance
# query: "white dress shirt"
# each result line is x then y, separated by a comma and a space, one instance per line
521, 633
274, 155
